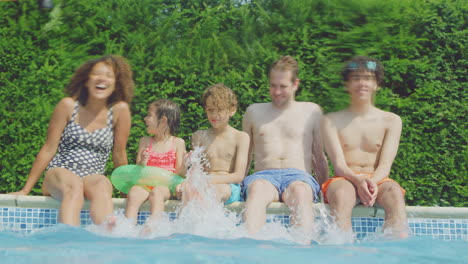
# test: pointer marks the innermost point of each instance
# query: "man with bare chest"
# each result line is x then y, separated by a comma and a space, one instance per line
362, 142
287, 150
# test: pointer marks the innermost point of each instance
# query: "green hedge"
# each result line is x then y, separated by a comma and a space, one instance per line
177, 48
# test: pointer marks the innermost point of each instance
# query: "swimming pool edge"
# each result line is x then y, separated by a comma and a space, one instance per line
23, 201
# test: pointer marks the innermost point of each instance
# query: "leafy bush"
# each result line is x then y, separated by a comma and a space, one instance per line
178, 48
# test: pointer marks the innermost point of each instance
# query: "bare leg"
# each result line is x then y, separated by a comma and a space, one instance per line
392, 200
341, 196
298, 196
98, 190
135, 198
189, 193
157, 197
67, 187
260, 194
223, 192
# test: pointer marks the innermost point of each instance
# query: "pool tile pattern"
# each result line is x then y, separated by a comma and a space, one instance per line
26, 220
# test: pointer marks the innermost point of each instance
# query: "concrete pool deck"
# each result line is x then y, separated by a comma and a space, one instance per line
25, 201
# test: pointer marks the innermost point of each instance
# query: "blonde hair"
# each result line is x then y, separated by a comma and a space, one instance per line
284, 64
221, 96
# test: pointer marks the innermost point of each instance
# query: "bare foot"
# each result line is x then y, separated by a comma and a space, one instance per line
110, 223
146, 230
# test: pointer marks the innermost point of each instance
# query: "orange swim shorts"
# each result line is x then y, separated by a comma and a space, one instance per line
326, 184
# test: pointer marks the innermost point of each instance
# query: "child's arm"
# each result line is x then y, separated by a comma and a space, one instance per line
142, 155
180, 153
57, 124
241, 159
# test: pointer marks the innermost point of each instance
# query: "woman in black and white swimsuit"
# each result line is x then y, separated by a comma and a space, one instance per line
83, 129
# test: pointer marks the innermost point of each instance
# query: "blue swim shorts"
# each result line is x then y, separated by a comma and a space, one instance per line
235, 193
281, 179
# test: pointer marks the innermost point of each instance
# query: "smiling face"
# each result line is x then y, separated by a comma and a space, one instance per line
282, 87
101, 81
218, 117
361, 84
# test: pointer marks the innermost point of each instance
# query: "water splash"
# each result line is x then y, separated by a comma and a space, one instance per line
204, 215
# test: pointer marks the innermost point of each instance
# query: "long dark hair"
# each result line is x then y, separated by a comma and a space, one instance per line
123, 80
170, 110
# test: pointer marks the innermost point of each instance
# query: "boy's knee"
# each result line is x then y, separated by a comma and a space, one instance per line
256, 188
298, 192
261, 191
341, 192
391, 190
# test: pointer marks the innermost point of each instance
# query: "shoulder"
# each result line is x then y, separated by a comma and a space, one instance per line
256, 112
121, 108
66, 103
309, 105
179, 141
256, 107
199, 133
391, 118
334, 117
242, 136
145, 140
65, 107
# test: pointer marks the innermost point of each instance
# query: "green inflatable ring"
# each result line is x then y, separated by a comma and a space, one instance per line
125, 177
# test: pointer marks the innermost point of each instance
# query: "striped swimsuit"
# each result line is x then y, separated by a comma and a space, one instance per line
82, 152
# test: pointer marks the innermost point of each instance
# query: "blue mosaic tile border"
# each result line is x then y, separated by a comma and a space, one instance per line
28, 219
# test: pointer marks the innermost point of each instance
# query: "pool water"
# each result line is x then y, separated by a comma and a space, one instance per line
66, 244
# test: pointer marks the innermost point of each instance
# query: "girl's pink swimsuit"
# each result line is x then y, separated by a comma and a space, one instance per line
166, 160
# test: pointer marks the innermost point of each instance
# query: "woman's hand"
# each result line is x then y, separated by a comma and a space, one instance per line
20, 192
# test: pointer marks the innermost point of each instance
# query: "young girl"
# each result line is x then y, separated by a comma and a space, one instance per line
83, 130
163, 150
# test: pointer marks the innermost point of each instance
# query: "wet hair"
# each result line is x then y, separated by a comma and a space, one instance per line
360, 63
124, 85
286, 63
221, 96
170, 110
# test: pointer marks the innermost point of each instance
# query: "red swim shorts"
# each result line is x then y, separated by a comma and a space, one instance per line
326, 184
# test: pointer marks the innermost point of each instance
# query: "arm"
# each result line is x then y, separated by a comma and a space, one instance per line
142, 156
180, 152
333, 148
121, 133
366, 189
389, 148
57, 124
319, 161
242, 150
247, 128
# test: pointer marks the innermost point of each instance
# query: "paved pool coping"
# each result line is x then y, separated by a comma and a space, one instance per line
26, 201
